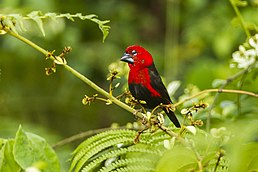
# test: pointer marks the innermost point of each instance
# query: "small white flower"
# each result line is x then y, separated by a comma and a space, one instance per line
168, 144
184, 111
192, 129
110, 161
147, 116
119, 145
244, 58
241, 48
254, 42
161, 118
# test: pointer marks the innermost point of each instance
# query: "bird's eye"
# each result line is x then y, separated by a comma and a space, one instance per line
134, 52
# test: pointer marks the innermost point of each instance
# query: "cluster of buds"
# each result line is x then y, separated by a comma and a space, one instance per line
195, 108
88, 100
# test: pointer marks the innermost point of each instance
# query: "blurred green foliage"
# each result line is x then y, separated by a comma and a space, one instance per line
205, 34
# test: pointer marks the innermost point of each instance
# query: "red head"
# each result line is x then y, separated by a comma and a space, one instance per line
137, 57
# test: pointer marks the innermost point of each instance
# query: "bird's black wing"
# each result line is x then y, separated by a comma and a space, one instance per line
158, 85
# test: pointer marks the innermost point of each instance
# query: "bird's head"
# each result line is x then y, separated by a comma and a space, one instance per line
137, 57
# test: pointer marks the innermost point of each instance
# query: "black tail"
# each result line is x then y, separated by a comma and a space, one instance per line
172, 118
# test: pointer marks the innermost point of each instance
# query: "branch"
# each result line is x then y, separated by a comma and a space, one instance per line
242, 22
58, 60
228, 81
75, 73
83, 135
218, 91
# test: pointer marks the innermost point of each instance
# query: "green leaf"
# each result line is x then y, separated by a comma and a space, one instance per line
51, 15
68, 16
241, 3
244, 157
7, 162
104, 28
7, 22
32, 150
18, 19
35, 15
177, 159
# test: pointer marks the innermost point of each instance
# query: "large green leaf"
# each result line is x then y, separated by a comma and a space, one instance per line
244, 157
32, 150
7, 162
177, 159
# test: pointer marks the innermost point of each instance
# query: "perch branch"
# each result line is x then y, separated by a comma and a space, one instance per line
76, 73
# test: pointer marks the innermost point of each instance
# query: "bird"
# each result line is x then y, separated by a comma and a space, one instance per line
145, 82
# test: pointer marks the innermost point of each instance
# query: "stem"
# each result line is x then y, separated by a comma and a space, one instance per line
77, 74
115, 100
35, 46
242, 22
218, 91
100, 90
83, 135
228, 81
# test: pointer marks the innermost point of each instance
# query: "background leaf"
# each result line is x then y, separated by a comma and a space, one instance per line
30, 150
7, 162
35, 15
177, 158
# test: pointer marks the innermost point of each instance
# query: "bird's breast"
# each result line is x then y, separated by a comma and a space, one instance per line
142, 77
139, 77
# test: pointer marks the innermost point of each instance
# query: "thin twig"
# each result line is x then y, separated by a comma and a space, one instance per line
76, 73
228, 81
115, 100
238, 96
220, 155
83, 135
242, 22
218, 91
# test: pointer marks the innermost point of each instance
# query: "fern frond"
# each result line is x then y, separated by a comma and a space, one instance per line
154, 138
98, 143
131, 164
118, 133
134, 168
97, 150
120, 152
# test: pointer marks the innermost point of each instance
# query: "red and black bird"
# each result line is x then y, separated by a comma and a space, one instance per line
144, 80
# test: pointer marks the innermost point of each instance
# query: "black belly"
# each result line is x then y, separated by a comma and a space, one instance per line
142, 93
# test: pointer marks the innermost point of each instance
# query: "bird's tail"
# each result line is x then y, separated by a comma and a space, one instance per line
172, 117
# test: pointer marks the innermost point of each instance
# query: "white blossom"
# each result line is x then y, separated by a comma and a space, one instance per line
192, 129
245, 57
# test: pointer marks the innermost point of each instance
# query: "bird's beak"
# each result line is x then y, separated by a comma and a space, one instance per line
127, 58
